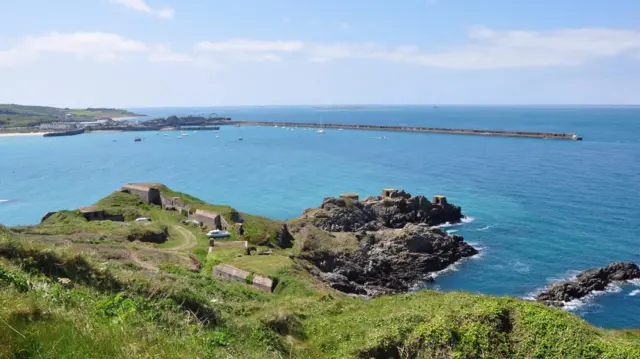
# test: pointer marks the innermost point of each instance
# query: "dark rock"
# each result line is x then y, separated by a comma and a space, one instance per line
595, 279
373, 213
388, 260
284, 239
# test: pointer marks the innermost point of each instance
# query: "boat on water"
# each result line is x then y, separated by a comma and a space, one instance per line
137, 139
322, 131
216, 233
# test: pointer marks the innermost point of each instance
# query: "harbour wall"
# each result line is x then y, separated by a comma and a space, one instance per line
453, 131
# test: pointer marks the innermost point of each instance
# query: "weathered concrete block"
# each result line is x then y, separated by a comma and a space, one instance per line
259, 282
230, 272
262, 283
351, 196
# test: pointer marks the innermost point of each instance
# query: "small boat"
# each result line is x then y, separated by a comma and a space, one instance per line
137, 139
240, 139
216, 233
321, 131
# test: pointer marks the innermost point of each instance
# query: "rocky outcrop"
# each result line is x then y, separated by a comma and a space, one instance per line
374, 213
284, 239
595, 279
388, 260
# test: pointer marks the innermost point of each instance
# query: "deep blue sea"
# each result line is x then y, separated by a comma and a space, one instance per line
541, 209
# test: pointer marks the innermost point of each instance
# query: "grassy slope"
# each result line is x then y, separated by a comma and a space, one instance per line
18, 115
113, 308
257, 228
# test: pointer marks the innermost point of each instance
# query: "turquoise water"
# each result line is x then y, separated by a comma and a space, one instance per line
541, 209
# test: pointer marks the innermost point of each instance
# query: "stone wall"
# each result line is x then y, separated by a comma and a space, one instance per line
259, 282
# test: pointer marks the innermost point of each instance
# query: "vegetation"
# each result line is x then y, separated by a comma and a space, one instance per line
258, 229
18, 115
67, 293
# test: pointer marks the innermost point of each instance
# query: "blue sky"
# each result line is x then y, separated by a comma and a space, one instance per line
136, 53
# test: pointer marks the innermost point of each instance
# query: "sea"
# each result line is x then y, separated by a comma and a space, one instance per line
538, 210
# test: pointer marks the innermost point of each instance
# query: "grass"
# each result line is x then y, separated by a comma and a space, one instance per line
17, 115
257, 229
69, 301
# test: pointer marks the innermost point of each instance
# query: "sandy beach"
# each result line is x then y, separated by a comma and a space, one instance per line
17, 134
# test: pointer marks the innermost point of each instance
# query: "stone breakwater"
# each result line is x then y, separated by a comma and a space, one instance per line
452, 131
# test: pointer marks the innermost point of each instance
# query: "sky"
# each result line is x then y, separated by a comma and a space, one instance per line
143, 53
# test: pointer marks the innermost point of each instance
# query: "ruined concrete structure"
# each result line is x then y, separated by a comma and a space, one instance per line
209, 219
352, 196
256, 281
92, 213
150, 194
439, 200
173, 203
147, 193
95, 213
388, 192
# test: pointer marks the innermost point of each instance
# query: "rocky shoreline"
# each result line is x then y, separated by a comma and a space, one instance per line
379, 245
587, 282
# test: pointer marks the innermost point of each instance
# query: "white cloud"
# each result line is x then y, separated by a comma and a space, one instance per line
99, 46
142, 6
247, 45
171, 57
488, 49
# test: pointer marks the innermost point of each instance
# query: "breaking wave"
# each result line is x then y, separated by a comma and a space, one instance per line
634, 292
579, 303
464, 220
485, 228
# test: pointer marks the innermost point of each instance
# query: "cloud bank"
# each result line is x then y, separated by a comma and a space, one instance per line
485, 48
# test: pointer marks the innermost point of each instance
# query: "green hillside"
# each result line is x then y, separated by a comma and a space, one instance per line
70, 288
18, 115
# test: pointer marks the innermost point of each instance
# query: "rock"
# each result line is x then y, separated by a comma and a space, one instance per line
595, 279
388, 260
373, 213
284, 239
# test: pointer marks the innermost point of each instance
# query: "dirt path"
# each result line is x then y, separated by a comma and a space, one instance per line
143, 264
190, 240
